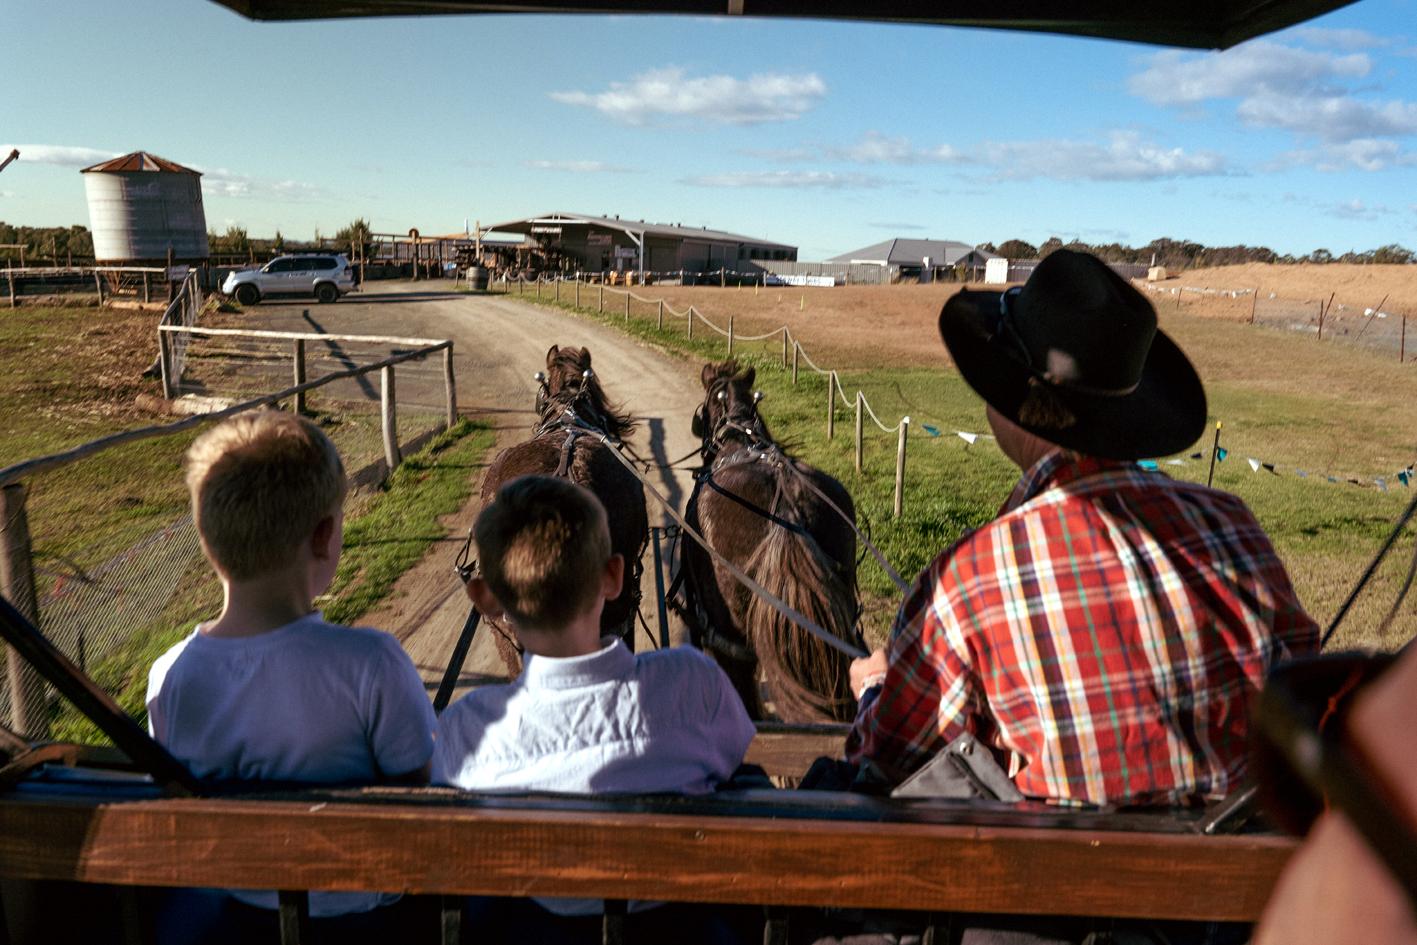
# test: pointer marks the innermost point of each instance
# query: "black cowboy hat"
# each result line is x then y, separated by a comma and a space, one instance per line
1074, 355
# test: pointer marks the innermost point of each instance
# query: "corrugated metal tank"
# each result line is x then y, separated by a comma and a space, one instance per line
135, 215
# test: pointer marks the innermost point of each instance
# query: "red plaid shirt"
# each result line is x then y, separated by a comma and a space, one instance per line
1108, 628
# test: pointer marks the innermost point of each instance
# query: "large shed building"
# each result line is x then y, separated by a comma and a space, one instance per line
601, 244
926, 260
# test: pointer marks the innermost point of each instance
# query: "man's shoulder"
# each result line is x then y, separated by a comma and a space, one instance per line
319, 632
675, 663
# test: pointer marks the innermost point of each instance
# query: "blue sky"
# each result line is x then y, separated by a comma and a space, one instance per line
829, 136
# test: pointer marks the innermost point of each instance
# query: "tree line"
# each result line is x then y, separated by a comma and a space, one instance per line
1184, 254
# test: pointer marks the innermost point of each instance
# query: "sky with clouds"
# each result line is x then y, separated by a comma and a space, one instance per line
829, 136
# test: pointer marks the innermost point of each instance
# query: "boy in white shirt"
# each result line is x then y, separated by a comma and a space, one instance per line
269, 691
586, 716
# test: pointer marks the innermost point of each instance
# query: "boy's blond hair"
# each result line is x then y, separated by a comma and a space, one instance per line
260, 483
542, 547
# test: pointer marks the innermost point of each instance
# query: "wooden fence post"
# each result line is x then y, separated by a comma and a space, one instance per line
1402, 343
164, 363
558, 289
796, 350
831, 404
389, 415
147, 286
730, 335
600, 300
659, 319
900, 467
691, 323
538, 288
10, 278
627, 306
98, 285
860, 416
784, 347
1253, 302
28, 706
450, 385
298, 363
578, 292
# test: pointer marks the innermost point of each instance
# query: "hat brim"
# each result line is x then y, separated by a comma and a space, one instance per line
1165, 414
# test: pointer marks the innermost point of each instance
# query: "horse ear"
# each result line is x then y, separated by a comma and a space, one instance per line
749, 375
551, 354
585, 357
708, 374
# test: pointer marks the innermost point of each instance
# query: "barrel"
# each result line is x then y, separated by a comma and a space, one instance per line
477, 278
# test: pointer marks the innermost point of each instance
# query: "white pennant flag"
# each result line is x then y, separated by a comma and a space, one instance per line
967, 437
1254, 464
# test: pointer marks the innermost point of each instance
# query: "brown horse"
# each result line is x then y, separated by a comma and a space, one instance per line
773, 517
574, 416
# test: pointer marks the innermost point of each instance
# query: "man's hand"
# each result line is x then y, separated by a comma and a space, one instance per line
867, 672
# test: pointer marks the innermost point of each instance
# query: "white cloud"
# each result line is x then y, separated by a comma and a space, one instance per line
1345, 39
1330, 117
579, 167
59, 155
1259, 67
1356, 210
1125, 156
822, 180
220, 182
1364, 154
898, 226
876, 148
671, 94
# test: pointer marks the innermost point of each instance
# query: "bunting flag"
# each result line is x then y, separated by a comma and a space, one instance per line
1197, 456
1221, 453
1254, 463
1404, 477
1381, 483
967, 437
1175, 462
1270, 467
933, 431
1148, 464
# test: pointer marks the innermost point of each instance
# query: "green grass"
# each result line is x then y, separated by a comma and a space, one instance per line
386, 533
1283, 399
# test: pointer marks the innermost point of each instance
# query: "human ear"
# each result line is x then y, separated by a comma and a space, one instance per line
614, 578
322, 539
482, 597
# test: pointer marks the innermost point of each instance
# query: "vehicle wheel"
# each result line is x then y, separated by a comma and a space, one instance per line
324, 292
248, 294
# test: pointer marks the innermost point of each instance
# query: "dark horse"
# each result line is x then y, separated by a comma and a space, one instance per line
772, 516
574, 415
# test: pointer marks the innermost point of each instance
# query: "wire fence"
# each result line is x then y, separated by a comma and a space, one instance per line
106, 540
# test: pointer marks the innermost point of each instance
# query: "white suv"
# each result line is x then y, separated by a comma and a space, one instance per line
326, 277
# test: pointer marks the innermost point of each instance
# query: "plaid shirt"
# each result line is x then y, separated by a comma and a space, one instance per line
1107, 628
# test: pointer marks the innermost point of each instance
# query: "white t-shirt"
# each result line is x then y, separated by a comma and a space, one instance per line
610, 721
310, 702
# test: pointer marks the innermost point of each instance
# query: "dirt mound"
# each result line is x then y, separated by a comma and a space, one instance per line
1354, 285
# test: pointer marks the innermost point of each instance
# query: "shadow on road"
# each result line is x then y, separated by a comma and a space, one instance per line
668, 484
337, 353
384, 298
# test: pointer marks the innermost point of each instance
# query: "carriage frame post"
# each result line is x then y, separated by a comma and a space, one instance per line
860, 430
898, 507
298, 370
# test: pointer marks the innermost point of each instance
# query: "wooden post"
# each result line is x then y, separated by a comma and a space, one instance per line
451, 385
1253, 302
27, 697
899, 506
627, 306
298, 364
389, 415
538, 288
730, 335
690, 323
659, 319
1323, 310
147, 287
164, 362
860, 416
600, 299
1402, 343
293, 912
558, 290
578, 293
10, 278
784, 347
796, 350
831, 404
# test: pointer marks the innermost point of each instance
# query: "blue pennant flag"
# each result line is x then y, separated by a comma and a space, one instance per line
929, 429
1221, 453
1148, 464
1404, 477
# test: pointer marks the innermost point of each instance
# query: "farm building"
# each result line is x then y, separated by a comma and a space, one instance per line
143, 208
599, 244
926, 260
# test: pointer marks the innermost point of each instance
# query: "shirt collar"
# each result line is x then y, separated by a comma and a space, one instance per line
1055, 468
612, 661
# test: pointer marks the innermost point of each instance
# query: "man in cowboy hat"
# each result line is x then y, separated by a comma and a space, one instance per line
1103, 634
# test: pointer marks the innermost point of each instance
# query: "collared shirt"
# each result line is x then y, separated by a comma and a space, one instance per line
1107, 629
609, 721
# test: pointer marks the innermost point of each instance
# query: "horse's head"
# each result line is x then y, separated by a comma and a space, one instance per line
730, 407
570, 382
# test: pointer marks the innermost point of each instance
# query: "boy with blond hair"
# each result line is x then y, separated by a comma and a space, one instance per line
269, 691
586, 716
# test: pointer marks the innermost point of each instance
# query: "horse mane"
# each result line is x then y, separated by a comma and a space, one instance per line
569, 365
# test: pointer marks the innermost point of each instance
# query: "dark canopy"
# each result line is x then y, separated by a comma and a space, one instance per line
1198, 23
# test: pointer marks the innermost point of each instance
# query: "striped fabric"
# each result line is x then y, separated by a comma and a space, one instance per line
1107, 629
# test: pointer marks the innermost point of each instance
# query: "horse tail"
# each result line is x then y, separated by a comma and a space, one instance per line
808, 680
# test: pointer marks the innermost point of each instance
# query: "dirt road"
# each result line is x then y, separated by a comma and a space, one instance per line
498, 344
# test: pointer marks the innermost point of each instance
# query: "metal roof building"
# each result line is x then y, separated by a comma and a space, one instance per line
926, 259
609, 243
